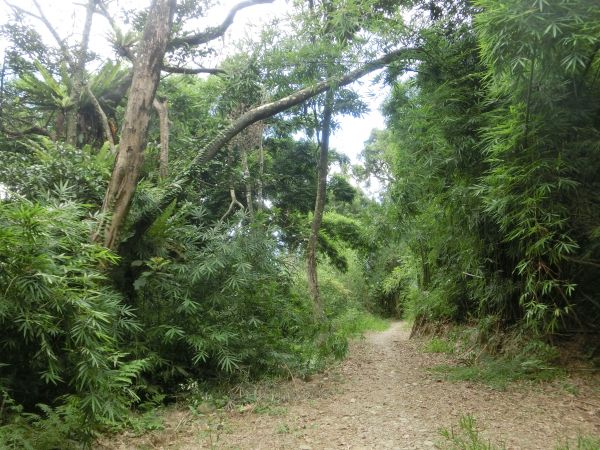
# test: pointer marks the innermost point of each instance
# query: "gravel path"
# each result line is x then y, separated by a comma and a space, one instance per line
380, 397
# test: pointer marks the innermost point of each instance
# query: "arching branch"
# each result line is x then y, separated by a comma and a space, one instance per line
103, 119
252, 116
214, 32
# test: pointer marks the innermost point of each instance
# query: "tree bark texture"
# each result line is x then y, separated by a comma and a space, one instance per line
323, 169
163, 116
252, 116
146, 74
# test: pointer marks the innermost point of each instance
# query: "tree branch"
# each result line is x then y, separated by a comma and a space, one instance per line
214, 32
252, 116
103, 120
20, 133
121, 49
42, 18
192, 70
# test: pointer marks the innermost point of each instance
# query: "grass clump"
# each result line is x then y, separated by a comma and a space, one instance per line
498, 359
438, 345
583, 443
466, 437
353, 322
498, 373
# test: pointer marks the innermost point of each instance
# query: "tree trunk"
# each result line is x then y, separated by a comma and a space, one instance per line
79, 75
246, 175
146, 74
163, 117
323, 169
261, 171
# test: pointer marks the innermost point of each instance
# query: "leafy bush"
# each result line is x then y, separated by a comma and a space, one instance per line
48, 166
215, 302
60, 320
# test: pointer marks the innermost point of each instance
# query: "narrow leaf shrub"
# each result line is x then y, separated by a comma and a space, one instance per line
60, 321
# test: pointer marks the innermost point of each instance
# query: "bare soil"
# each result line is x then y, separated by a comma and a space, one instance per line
383, 396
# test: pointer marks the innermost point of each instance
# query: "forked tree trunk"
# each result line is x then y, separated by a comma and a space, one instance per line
146, 74
323, 169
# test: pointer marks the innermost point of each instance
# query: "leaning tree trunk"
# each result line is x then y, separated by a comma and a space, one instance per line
177, 187
103, 120
311, 252
146, 74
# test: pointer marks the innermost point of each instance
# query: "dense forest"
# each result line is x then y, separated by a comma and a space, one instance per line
167, 226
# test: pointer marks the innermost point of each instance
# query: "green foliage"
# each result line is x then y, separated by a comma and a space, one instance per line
466, 437
541, 134
438, 345
354, 322
213, 301
583, 443
531, 362
61, 321
491, 152
48, 169
54, 428
344, 296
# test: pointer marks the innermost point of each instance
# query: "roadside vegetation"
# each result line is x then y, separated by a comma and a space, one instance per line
467, 436
169, 228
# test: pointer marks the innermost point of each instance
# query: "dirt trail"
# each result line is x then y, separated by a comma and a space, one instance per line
382, 396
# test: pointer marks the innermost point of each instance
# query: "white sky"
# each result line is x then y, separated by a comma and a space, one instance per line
67, 17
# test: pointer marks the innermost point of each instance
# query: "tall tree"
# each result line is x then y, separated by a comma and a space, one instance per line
148, 62
146, 73
322, 170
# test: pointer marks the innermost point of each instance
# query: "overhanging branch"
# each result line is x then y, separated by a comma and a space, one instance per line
42, 18
252, 116
214, 32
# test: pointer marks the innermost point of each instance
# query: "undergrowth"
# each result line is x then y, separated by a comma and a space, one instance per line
496, 359
439, 345
467, 436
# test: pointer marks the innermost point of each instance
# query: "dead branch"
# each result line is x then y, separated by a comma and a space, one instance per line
214, 32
